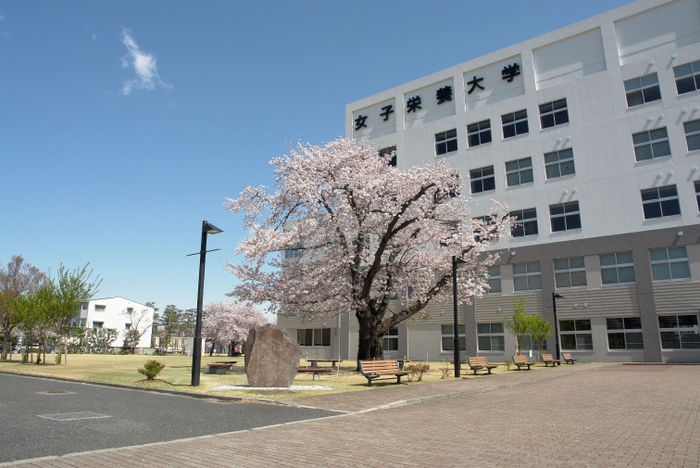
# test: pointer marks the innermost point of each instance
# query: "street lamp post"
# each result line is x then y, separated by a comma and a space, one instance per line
556, 296
207, 228
458, 365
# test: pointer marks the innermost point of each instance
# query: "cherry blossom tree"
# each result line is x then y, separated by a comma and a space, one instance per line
230, 322
343, 231
18, 279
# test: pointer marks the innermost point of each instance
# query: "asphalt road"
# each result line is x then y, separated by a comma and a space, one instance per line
134, 417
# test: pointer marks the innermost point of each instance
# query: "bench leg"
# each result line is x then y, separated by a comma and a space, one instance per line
316, 376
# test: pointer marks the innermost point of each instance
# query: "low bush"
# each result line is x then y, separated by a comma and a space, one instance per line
151, 369
417, 371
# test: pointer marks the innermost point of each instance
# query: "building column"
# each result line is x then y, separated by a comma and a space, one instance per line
647, 302
469, 320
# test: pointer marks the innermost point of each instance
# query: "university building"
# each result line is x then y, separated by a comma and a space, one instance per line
591, 136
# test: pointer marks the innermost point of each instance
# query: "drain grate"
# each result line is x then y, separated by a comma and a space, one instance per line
56, 392
73, 416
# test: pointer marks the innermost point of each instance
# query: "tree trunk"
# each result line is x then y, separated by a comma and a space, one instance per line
211, 352
370, 337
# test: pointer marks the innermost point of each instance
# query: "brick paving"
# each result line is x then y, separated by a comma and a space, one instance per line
584, 415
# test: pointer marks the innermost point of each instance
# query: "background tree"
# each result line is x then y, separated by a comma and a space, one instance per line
17, 279
155, 321
519, 324
35, 317
540, 330
139, 323
101, 338
72, 288
187, 322
359, 232
77, 337
170, 321
230, 322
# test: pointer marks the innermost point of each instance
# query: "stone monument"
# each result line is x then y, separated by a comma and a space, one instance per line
271, 357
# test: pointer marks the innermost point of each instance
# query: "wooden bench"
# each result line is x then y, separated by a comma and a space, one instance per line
568, 359
478, 363
548, 359
220, 367
379, 370
316, 371
522, 361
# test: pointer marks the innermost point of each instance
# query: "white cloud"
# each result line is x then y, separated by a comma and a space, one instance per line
2, 17
94, 36
144, 65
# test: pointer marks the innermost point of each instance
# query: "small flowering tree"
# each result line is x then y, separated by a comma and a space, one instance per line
230, 322
357, 233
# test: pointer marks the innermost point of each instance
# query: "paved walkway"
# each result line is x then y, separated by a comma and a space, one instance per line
594, 415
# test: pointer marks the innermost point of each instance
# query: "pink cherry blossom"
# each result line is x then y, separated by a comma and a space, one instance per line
360, 236
229, 322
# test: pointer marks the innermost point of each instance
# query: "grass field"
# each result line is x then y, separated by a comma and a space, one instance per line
178, 370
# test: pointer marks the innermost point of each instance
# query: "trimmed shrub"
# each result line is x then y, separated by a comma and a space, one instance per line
151, 369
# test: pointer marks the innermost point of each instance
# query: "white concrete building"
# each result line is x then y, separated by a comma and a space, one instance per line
591, 136
119, 313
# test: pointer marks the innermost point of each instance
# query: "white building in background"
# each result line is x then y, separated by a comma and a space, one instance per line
591, 136
118, 313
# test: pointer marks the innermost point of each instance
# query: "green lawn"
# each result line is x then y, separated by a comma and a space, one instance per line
178, 370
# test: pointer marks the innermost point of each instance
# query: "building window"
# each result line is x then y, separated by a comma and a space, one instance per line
292, 253
490, 337
625, 333
554, 113
569, 272
97, 324
565, 216
527, 276
448, 338
679, 332
687, 77
494, 280
387, 151
525, 223
316, 337
514, 123
390, 342
519, 172
482, 226
482, 179
692, 134
659, 202
559, 163
445, 142
617, 268
651, 144
100, 308
669, 264
697, 193
642, 90
479, 133
576, 334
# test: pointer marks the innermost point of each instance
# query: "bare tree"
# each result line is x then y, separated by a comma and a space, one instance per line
139, 323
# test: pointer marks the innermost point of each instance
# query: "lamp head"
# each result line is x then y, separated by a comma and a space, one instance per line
210, 228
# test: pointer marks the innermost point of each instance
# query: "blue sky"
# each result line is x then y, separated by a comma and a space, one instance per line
125, 124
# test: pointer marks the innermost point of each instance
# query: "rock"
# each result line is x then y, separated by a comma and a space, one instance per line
271, 357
